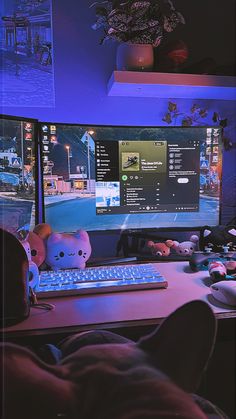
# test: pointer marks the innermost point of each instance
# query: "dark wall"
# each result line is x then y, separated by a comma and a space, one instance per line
210, 31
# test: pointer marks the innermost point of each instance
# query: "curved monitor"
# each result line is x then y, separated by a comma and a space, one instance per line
18, 173
117, 177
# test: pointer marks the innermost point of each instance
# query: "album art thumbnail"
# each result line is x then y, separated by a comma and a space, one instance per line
130, 161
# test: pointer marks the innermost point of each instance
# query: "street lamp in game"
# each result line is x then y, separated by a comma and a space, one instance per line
88, 133
68, 159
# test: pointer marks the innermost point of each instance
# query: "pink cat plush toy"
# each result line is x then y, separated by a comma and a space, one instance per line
66, 251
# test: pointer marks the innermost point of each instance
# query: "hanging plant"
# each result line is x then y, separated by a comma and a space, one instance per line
222, 123
136, 22
195, 117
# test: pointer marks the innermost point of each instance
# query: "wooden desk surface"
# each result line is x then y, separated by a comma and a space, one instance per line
121, 309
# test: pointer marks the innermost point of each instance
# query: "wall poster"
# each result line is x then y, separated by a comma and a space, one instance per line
26, 53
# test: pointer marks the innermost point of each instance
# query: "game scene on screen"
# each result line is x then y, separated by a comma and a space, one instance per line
112, 178
17, 174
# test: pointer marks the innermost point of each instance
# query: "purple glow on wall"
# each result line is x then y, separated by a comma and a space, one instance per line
83, 69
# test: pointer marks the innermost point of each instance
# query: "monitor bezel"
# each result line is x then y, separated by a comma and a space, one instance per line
136, 231
38, 206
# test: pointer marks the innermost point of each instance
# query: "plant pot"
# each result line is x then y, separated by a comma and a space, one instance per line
134, 57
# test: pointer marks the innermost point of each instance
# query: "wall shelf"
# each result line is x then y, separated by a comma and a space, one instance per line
171, 85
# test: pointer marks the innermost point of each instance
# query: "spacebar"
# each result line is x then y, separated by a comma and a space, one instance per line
101, 283
98, 281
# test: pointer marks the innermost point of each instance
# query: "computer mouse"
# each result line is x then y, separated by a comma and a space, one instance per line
225, 292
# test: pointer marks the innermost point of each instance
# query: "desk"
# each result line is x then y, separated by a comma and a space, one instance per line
136, 312
122, 309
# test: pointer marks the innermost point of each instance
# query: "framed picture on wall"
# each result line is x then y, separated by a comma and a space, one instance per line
26, 50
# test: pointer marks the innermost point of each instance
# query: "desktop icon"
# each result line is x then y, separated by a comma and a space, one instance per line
28, 126
28, 136
53, 139
53, 129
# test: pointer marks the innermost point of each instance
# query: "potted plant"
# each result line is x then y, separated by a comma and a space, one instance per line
138, 26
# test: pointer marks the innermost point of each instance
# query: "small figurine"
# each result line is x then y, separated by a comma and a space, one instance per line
160, 249
186, 248
219, 270
33, 268
218, 238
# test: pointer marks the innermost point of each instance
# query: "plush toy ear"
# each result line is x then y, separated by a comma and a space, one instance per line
232, 231
81, 234
194, 238
170, 243
175, 244
43, 230
183, 343
206, 232
53, 238
33, 389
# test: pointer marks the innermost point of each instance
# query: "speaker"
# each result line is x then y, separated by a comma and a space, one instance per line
14, 280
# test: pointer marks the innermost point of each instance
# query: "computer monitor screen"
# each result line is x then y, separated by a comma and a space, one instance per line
18, 178
123, 178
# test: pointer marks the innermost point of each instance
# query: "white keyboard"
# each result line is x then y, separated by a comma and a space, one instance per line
99, 280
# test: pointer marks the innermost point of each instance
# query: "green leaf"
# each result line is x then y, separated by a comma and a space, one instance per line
172, 107
203, 113
194, 108
167, 118
223, 122
187, 121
